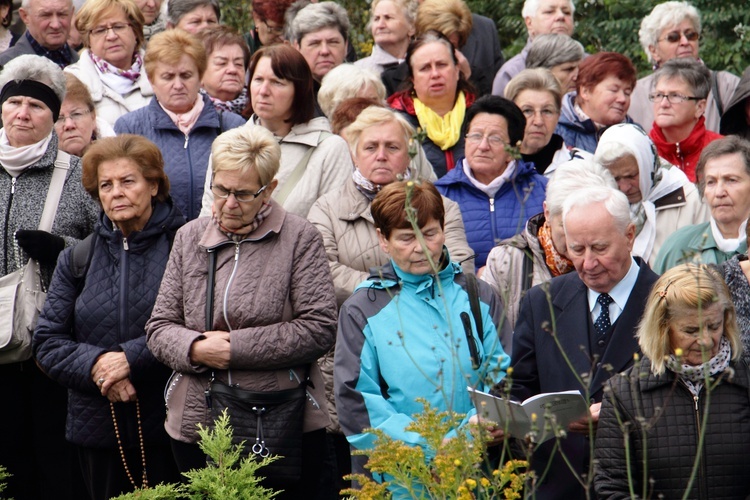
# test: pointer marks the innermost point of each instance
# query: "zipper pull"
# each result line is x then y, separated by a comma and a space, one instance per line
695, 400
125, 243
12, 185
236, 251
186, 141
492, 205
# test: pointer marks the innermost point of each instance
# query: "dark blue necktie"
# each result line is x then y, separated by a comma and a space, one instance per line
602, 323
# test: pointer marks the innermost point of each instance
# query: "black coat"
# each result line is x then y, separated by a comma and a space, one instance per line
109, 313
668, 436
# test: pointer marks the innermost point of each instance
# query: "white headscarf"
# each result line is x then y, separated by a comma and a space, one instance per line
656, 178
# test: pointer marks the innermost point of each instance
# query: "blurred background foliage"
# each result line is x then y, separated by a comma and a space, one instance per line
610, 25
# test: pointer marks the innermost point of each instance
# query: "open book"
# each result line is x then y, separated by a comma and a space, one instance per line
516, 418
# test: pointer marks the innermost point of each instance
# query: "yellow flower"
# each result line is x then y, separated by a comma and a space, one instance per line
471, 484
678, 352
457, 463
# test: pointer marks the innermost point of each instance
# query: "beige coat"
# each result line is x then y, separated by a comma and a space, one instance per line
351, 243
281, 312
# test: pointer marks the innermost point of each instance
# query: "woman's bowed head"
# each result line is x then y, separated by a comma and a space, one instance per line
689, 320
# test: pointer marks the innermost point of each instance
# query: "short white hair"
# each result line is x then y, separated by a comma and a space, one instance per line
531, 7
572, 176
665, 15
613, 199
343, 82
36, 68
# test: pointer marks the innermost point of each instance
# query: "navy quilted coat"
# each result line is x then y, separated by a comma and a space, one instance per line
489, 220
185, 156
108, 314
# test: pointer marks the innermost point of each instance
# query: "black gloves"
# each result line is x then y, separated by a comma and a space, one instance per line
40, 245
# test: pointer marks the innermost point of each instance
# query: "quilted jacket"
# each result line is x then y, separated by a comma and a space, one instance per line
576, 133
108, 312
668, 435
489, 220
185, 156
273, 294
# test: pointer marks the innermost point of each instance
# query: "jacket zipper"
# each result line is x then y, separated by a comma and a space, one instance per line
190, 215
701, 466
124, 271
492, 221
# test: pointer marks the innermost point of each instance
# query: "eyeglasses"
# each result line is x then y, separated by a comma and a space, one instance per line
477, 138
673, 98
240, 196
676, 36
544, 112
76, 116
117, 28
274, 30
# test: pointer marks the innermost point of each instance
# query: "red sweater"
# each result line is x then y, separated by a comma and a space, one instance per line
684, 154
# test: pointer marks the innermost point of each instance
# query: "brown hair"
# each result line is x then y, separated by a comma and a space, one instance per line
93, 11
425, 39
136, 148
731, 144
169, 46
289, 64
347, 112
271, 10
389, 206
77, 92
445, 16
220, 36
596, 68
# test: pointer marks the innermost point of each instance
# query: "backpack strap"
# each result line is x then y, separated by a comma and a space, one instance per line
298, 171
472, 288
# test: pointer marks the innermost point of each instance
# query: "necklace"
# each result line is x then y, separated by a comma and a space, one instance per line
144, 478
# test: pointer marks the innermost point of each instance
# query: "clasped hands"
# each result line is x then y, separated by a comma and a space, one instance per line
111, 373
212, 350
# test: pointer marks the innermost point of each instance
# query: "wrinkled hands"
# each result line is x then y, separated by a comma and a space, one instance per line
110, 373
211, 351
582, 426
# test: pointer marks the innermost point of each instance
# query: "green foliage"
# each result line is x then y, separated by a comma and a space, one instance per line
228, 475
4, 475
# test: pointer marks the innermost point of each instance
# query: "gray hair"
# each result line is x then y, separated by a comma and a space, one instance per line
345, 81
318, 16
36, 68
572, 176
374, 116
613, 199
689, 70
550, 50
665, 15
531, 7
728, 145
245, 148
409, 8
176, 9
538, 79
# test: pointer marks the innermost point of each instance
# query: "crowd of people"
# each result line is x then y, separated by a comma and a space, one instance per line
265, 212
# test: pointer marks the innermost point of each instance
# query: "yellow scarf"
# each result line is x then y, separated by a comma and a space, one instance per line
444, 131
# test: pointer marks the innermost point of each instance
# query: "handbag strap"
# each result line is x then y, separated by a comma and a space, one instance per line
62, 164
210, 285
298, 171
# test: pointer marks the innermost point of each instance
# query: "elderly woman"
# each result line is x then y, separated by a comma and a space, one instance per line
496, 193
227, 57
436, 99
111, 65
180, 120
691, 378
313, 161
33, 88
154, 21
724, 173
602, 98
673, 30
345, 81
193, 16
679, 93
274, 309
662, 199
537, 93
558, 53
539, 253
320, 32
78, 126
392, 26
83, 341
268, 23
377, 379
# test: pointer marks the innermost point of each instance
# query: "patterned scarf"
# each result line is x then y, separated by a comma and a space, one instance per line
638, 216
557, 264
444, 131
235, 236
370, 189
234, 106
133, 73
695, 376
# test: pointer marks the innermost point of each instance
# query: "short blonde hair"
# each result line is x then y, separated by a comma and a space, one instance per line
244, 148
687, 286
345, 81
374, 116
169, 46
93, 11
446, 17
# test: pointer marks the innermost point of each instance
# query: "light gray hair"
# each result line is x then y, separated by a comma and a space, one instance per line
343, 82
374, 116
409, 8
613, 199
531, 7
665, 15
318, 16
176, 9
37, 68
547, 51
538, 79
689, 70
572, 176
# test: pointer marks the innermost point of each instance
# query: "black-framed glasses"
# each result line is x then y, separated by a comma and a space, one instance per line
673, 98
676, 36
240, 196
117, 28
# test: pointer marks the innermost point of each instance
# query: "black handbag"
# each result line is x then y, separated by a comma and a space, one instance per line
269, 422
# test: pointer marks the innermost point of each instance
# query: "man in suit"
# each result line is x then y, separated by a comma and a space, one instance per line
579, 330
47, 28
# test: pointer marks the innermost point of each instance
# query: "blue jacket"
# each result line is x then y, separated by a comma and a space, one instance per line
83, 319
401, 338
576, 133
185, 156
487, 220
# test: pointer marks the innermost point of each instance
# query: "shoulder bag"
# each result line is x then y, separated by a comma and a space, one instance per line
22, 293
268, 422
